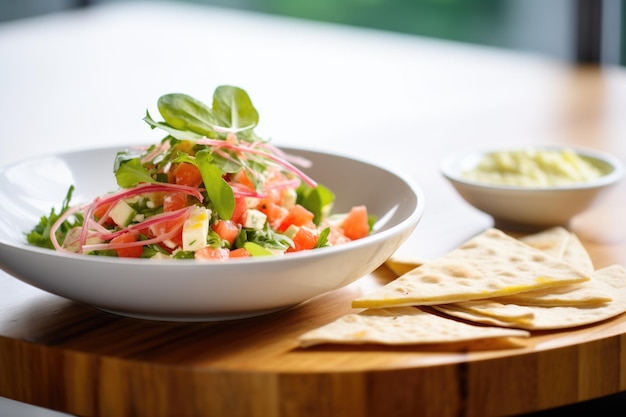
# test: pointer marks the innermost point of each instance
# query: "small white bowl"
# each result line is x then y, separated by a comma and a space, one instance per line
527, 208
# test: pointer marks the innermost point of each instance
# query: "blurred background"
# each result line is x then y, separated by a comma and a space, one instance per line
570, 30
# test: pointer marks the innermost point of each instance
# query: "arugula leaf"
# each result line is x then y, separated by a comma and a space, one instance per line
317, 200
227, 165
185, 157
175, 133
322, 240
130, 172
220, 193
40, 234
218, 190
371, 221
264, 237
184, 254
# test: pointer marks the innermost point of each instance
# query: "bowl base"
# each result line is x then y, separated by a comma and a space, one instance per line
197, 318
507, 225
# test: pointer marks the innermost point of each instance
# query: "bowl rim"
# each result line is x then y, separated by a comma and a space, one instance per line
410, 221
449, 167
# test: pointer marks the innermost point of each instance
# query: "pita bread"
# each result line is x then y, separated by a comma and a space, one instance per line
551, 241
401, 326
492, 308
576, 254
402, 265
612, 278
562, 244
501, 319
570, 249
489, 265
588, 293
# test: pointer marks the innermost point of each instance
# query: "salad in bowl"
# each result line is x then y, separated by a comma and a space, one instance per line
211, 189
210, 223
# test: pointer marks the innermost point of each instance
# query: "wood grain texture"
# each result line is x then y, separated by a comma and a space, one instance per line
73, 358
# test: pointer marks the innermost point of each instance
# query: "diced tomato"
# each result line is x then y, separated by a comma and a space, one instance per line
239, 253
274, 212
162, 228
242, 178
227, 230
336, 236
174, 201
305, 238
355, 225
171, 177
187, 174
271, 196
240, 209
276, 176
128, 252
101, 211
212, 254
298, 216
171, 202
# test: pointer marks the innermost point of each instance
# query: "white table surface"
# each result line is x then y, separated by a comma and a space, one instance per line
84, 79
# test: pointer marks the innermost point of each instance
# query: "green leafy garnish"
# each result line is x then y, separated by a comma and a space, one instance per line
151, 250
256, 250
322, 240
40, 234
234, 109
130, 172
175, 133
186, 113
318, 200
183, 254
264, 237
220, 193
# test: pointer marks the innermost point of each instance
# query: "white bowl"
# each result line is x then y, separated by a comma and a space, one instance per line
184, 289
528, 208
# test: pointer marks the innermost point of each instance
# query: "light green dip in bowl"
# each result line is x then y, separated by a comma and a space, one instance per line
534, 168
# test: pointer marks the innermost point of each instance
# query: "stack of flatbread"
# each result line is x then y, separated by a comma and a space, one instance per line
492, 286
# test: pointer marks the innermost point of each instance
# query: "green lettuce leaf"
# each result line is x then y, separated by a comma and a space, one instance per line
220, 193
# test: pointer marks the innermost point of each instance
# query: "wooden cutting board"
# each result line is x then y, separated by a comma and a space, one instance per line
65, 356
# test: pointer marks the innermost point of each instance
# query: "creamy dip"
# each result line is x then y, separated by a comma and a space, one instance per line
533, 168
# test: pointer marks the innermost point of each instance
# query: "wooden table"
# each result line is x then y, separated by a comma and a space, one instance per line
394, 99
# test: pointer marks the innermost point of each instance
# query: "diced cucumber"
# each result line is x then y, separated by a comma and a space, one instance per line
122, 213
291, 231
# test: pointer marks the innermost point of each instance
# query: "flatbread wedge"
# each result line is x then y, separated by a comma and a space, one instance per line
401, 326
613, 278
562, 244
552, 241
569, 249
589, 293
492, 308
489, 265
576, 254
402, 265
